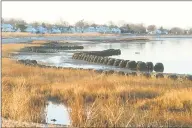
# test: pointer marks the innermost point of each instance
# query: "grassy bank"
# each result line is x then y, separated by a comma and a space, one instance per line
25, 34
95, 99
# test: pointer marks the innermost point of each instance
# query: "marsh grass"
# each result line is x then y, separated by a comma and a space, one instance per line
95, 100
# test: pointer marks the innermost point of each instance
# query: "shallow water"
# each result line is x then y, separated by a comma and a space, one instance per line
59, 112
174, 53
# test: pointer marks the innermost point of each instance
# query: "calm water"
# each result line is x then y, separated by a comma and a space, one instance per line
59, 112
174, 53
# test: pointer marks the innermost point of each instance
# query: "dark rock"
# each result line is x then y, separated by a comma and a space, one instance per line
117, 62
111, 61
141, 66
159, 67
149, 66
122, 64
132, 65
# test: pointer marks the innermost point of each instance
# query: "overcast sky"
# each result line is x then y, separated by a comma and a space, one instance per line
160, 13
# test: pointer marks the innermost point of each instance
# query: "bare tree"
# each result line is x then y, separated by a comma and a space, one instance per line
177, 31
81, 24
111, 24
13, 21
35, 24
62, 23
2, 20
151, 28
137, 28
190, 31
121, 23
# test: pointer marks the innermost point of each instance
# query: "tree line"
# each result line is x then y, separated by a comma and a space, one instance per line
124, 27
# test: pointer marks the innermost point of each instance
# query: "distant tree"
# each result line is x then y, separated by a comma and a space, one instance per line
190, 31
121, 23
81, 24
2, 20
126, 28
61, 23
48, 26
36, 24
161, 28
93, 25
22, 27
137, 28
177, 31
111, 24
43, 25
13, 21
151, 28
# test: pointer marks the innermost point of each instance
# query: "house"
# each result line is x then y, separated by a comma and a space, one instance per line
103, 29
164, 32
30, 29
90, 29
71, 30
115, 30
55, 30
7, 28
18, 30
64, 29
41, 29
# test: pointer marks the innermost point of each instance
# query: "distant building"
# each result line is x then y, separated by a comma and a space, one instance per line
158, 32
116, 30
30, 29
55, 30
18, 30
64, 29
41, 29
90, 29
7, 28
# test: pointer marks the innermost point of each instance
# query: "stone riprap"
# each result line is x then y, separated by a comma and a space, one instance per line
113, 72
128, 64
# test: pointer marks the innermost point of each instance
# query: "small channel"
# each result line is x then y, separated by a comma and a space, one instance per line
59, 112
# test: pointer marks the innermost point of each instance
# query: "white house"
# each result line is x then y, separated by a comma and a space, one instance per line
158, 32
30, 29
72, 30
90, 29
64, 29
7, 28
18, 30
55, 30
115, 30
41, 29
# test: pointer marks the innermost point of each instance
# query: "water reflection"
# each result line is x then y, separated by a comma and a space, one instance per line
175, 54
59, 112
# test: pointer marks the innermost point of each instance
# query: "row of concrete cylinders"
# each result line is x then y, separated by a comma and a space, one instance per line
129, 64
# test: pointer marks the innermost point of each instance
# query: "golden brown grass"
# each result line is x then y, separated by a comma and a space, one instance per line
25, 34
95, 99
9, 48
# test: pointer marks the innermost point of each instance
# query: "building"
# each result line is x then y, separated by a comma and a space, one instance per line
30, 29
7, 28
55, 30
41, 29
115, 30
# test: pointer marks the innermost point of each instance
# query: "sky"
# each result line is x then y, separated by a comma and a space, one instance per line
161, 13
